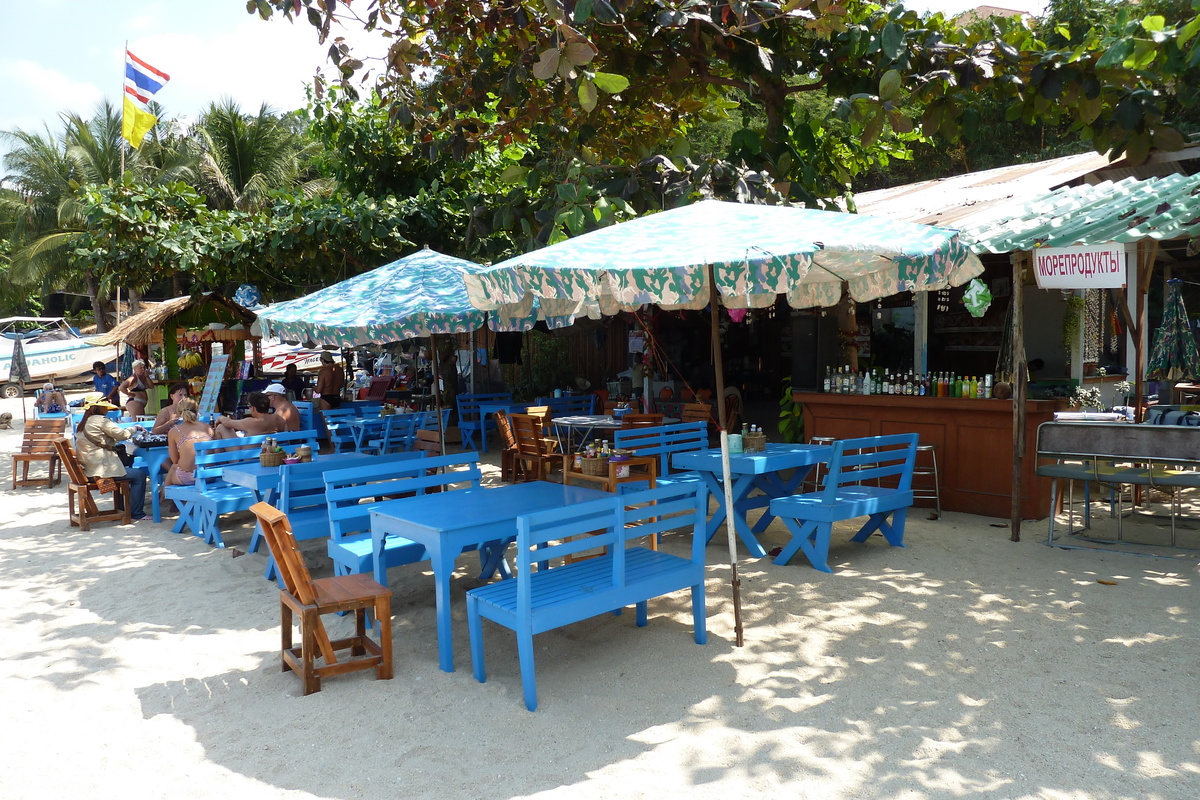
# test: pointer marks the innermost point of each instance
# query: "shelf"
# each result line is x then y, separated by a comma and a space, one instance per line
971, 329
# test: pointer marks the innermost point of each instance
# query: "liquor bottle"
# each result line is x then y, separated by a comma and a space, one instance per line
825, 387
922, 383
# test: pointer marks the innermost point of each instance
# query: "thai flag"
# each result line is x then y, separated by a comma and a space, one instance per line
141, 79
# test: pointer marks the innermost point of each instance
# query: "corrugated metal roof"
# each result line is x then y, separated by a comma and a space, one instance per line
1123, 211
965, 201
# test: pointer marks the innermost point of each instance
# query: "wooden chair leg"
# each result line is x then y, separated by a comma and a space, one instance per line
383, 618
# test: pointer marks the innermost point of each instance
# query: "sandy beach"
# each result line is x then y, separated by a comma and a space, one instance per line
137, 663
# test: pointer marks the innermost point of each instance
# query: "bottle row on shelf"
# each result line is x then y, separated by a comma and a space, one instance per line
846, 380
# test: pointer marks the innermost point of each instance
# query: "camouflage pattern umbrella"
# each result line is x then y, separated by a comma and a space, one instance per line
1174, 356
20, 370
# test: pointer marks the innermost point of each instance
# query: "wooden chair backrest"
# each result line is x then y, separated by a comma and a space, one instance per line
70, 462
504, 426
697, 412
290, 563
641, 421
378, 388
39, 435
528, 432
733, 411
428, 441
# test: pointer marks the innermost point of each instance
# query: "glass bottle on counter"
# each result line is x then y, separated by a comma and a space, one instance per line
825, 387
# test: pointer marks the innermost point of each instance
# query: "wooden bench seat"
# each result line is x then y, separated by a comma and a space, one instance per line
545, 596
887, 461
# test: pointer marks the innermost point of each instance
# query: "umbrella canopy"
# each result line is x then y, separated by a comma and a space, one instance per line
1174, 355
419, 295
756, 253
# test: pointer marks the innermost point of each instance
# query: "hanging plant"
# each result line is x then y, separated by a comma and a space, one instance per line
1072, 319
791, 415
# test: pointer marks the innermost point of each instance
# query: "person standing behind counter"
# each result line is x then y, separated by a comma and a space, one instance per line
104, 383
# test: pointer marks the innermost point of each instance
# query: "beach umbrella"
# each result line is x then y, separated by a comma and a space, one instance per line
19, 371
1174, 356
739, 255
420, 295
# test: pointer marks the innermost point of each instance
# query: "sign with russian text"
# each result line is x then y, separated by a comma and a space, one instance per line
1095, 266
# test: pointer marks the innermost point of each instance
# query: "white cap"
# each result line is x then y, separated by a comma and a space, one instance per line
275, 388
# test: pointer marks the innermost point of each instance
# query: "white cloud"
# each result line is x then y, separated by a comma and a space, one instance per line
35, 95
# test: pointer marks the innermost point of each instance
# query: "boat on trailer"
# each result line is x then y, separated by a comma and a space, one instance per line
54, 350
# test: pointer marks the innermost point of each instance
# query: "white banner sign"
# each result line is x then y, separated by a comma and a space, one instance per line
1096, 266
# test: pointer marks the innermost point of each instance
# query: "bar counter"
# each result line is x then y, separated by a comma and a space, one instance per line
973, 441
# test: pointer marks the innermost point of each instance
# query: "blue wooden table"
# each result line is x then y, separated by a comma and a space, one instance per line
752, 472
447, 522
153, 458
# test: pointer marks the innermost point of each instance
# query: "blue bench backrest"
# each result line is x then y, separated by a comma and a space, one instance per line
468, 404
302, 486
346, 489
871, 458
569, 406
663, 441
306, 414
429, 420
213, 457
610, 523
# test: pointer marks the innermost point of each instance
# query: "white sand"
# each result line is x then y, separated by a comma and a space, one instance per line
140, 664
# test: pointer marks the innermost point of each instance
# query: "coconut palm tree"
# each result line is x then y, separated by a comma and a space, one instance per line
242, 158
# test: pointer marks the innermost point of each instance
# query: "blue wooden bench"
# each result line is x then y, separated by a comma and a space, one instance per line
887, 461
471, 421
664, 441
547, 597
301, 495
201, 505
568, 406
351, 493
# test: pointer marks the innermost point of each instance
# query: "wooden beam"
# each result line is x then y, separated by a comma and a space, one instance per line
1019, 260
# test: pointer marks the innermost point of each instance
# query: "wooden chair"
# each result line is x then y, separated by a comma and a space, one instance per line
312, 599
81, 505
509, 461
641, 421
733, 410
536, 454
427, 440
37, 444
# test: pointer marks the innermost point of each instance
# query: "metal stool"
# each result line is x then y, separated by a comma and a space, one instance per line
924, 492
814, 485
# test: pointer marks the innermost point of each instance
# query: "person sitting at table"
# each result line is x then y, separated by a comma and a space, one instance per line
289, 415
181, 443
51, 400
260, 422
104, 383
292, 383
180, 390
135, 388
96, 439
330, 382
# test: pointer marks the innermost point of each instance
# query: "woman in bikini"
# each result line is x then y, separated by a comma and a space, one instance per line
135, 388
181, 442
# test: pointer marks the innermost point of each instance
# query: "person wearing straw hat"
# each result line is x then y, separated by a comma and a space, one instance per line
330, 381
288, 414
96, 444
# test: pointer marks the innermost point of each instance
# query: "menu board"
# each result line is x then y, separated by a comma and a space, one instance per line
212, 385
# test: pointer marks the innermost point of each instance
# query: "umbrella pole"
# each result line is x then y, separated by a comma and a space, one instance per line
726, 476
437, 390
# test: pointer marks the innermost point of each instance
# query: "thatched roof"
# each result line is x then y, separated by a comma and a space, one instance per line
144, 328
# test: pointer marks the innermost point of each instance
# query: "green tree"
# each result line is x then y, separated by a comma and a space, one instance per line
241, 158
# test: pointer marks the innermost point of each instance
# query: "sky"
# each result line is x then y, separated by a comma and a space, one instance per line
67, 55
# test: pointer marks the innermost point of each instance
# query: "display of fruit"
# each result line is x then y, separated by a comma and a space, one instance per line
189, 359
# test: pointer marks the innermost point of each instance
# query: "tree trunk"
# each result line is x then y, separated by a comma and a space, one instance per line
93, 291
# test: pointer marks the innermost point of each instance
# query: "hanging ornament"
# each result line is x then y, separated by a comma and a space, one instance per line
977, 298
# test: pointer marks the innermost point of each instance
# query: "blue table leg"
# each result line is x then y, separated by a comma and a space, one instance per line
443, 569
742, 485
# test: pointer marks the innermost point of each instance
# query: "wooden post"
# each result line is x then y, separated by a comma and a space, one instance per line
1020, 388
